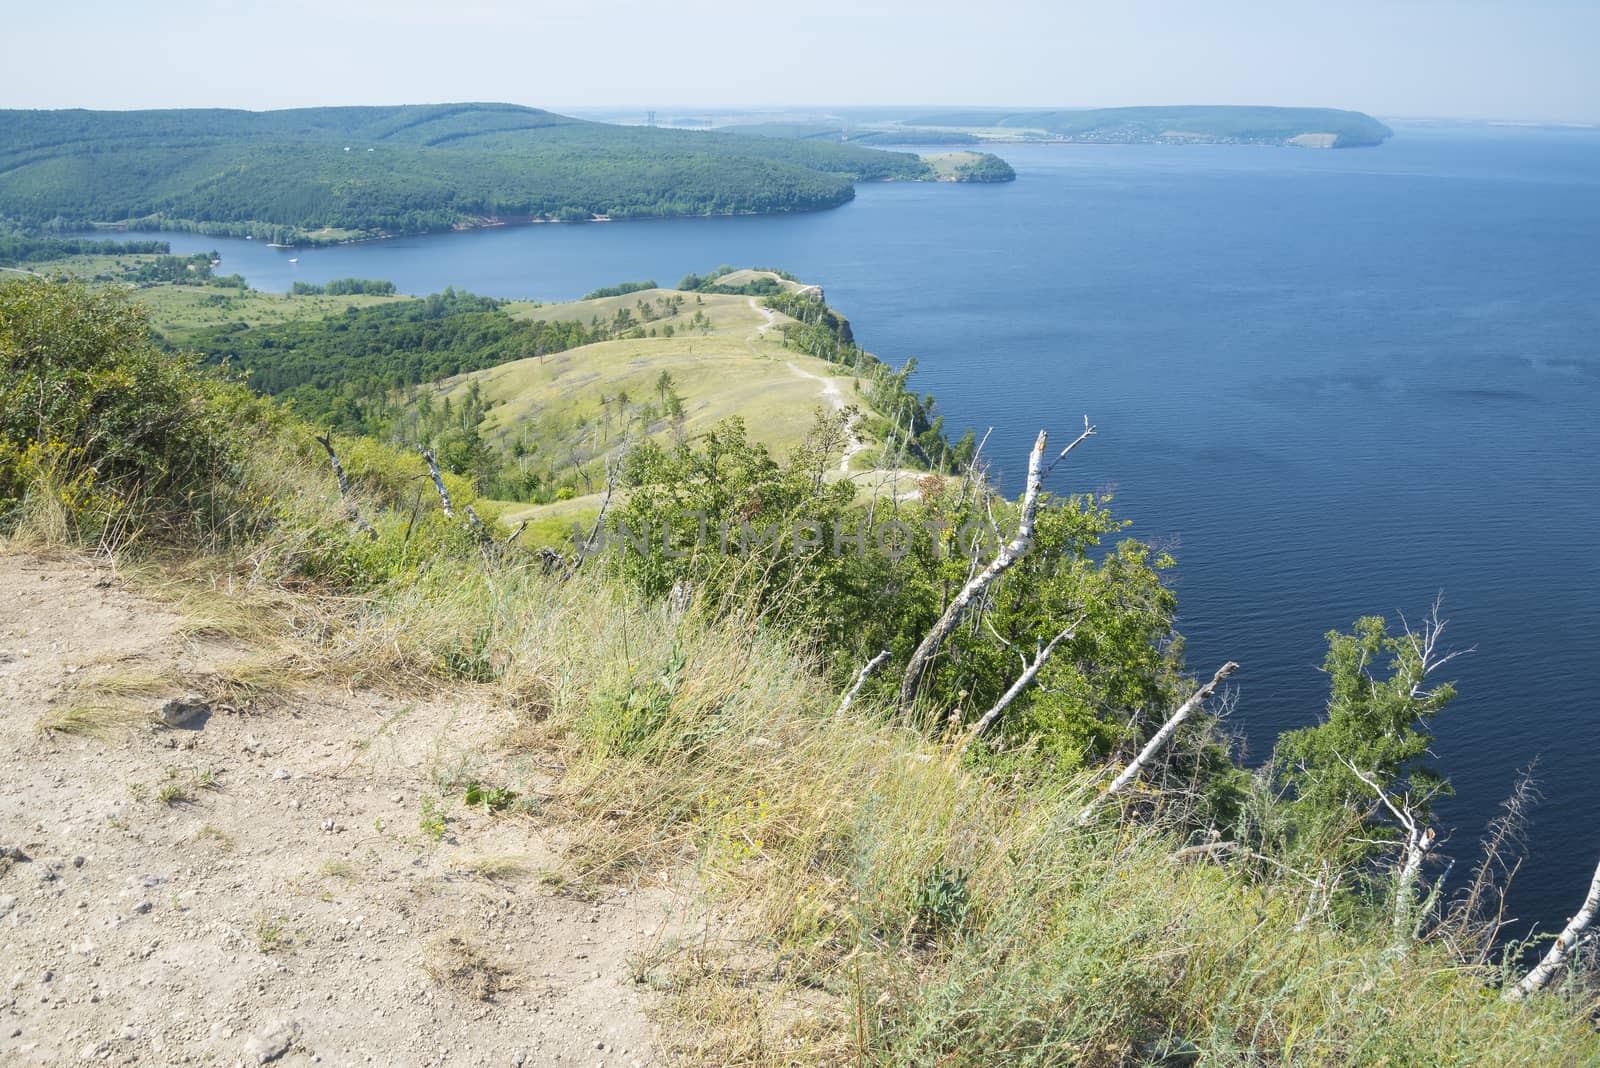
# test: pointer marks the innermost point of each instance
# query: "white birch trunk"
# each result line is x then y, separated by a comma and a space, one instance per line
1008, 555
438, 483
861, 680
350, 509
1153, 747
1541, 974
1027, 676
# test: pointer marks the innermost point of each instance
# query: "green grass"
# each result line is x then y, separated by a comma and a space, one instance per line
947, 164
727, 313
731, 368
180, 312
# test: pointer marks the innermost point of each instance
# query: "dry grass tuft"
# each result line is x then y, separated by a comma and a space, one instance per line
497, 868
104, 723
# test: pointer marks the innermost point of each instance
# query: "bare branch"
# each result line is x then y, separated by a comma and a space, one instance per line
861, 680
438, 482
1029, 672
1153, 747
613, 468
350, 509
1419, 840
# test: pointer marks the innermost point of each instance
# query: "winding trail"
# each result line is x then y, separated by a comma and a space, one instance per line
767, 313
835, 398
830, 386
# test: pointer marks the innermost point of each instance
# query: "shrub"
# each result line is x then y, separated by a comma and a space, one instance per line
101, 429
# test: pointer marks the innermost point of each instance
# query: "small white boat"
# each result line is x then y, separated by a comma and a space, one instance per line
294, 259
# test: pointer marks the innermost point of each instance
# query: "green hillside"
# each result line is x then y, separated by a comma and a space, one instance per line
818, 131
285, 175
890, 796
1217, 124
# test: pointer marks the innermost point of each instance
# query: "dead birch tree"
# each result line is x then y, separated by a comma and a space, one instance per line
1008, 555
1029, 672
438, 483
326, 441
861, 680
1540, 975
1153, 747
1419, 840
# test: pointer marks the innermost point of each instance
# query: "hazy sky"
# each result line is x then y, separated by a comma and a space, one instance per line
1485, 58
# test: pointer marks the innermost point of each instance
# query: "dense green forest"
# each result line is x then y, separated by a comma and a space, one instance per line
342, 371
1244, 125
18, 247
283, 175
344, 287
621, 289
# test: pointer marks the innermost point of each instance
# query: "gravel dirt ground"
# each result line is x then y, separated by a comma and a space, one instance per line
285, 884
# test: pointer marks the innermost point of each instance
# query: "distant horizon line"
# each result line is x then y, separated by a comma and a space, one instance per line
578, 110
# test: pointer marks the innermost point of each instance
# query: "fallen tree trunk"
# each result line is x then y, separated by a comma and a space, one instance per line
1028, 673
1540, 975
1154, 746
861, 680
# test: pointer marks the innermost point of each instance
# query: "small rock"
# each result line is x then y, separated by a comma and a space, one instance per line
280, 773
271, 1042
7, 903
91, 1051
190, 710
327, 824
142, 907
519, 1058
85, 948
78, 862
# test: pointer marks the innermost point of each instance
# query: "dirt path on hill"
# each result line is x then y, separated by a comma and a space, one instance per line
835, 398
258, 887
766, 313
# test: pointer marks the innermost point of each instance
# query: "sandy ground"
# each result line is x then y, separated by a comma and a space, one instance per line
288, 907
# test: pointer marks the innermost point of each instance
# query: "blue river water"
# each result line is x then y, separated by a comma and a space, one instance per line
1331, 383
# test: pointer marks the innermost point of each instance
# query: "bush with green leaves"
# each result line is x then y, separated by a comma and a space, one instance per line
104, 429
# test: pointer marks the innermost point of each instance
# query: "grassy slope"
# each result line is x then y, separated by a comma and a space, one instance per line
897, 901
180, 312
732, 369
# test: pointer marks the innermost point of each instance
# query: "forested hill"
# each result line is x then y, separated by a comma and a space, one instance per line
1319, 127
335, 173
